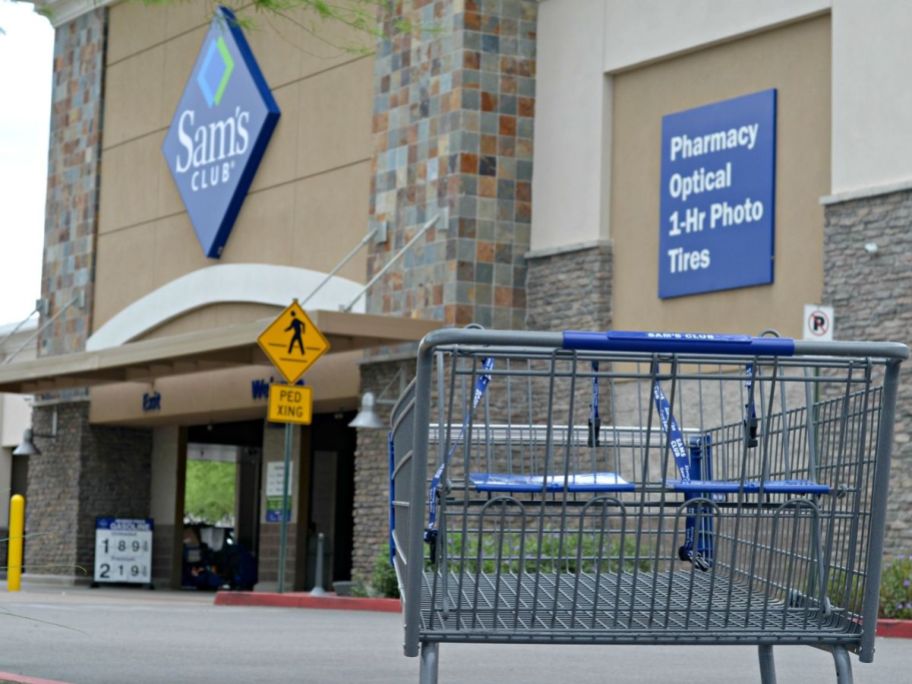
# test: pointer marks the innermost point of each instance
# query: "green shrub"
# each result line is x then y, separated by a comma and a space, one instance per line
842, 594
896, 589
515, 551
383, 578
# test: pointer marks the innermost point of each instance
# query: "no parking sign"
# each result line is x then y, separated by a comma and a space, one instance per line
818, 323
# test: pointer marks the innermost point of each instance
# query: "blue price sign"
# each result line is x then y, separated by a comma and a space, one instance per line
717, 222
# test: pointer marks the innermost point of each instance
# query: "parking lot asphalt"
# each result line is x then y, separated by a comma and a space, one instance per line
84, 636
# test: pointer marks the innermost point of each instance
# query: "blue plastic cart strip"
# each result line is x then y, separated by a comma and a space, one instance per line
481, 386
750, 486
392, 511
672, 431
678, 342
580, 482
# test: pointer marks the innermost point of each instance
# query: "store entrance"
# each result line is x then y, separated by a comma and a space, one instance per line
221, 505
333, 446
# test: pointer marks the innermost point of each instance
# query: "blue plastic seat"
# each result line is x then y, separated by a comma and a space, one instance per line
578, 482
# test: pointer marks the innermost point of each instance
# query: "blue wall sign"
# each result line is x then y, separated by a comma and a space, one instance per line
219, 132
717, 207
151, 401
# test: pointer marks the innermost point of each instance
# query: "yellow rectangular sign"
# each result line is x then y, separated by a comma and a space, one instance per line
290, 404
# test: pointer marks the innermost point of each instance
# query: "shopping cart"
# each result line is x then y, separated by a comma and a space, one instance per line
636, 488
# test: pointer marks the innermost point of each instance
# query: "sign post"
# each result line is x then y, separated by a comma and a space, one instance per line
293, 343
283, 525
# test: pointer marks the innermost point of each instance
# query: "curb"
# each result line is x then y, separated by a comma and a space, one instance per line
306, 600
901, 629
893, 629
23, 679
896, 629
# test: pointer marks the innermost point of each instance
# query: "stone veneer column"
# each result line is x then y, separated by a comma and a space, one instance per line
73, 181
84, 471
872, 300
569, 288
453, 120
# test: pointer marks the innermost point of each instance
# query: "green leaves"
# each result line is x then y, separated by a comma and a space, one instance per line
209, 496
374, 19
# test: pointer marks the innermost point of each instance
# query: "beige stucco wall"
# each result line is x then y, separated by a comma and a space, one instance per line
308, 204
795, 59
222, 395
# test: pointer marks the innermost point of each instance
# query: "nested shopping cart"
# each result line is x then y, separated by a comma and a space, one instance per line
642, 488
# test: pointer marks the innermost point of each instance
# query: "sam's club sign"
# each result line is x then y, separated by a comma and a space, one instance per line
717, 206
219, 132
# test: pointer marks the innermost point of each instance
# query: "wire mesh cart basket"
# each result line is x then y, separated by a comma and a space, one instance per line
637, 488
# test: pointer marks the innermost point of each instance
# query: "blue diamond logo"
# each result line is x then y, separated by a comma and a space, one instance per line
223, 122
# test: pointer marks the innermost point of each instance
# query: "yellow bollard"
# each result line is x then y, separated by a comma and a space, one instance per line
17, 523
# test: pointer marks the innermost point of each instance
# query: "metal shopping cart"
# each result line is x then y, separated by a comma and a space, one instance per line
637, 488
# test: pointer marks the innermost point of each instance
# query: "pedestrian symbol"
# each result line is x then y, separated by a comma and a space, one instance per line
292, 342
298, 328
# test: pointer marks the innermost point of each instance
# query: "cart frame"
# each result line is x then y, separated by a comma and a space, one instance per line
412, 421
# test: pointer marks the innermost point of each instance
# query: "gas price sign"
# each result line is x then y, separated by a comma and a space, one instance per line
123, 550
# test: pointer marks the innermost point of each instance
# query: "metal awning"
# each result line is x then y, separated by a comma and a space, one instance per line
224, 347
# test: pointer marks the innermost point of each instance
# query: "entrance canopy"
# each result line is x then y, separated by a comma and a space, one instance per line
224, 347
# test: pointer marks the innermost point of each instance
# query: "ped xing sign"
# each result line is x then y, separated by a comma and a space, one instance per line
290, 404
292, 342
219, 132
717, 198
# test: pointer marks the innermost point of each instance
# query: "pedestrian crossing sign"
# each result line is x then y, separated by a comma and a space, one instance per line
292, 342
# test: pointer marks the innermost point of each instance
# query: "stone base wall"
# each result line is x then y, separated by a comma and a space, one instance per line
52, 499
163, 556
872, 299
268, 557
371, 510
569, 289
4, 550
114, 478
84, 472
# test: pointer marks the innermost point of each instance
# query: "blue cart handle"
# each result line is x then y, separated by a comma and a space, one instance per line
678, 342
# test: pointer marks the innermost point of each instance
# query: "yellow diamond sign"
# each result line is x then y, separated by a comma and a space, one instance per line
292, 342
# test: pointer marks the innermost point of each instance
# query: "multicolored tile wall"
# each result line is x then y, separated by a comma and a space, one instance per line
73, 181
453, 119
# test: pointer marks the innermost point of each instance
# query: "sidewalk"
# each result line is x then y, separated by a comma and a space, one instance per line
894, 629
113, 635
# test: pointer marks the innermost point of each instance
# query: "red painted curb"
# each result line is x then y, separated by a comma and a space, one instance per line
304, 600
899, 629
896, 629
22, 679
